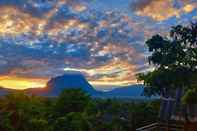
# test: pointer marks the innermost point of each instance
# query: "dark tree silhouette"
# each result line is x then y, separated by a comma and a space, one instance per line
175, 61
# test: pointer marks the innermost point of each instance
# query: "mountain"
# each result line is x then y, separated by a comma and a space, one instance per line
72, 80
55, 86
126, 92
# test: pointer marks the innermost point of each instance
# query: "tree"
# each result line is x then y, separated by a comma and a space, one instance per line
19, 111
174, 59
73, 121
71, 100
39, 125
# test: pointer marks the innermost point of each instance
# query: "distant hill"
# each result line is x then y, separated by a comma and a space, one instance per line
132, 90
70, 80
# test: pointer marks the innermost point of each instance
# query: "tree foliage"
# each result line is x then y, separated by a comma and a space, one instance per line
73, 110
175, 61
71, 100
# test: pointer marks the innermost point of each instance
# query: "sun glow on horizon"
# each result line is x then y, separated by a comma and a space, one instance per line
20, 83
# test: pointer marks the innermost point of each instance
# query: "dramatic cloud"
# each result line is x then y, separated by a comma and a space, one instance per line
44, 39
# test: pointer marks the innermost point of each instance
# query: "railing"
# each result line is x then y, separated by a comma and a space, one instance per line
161, 127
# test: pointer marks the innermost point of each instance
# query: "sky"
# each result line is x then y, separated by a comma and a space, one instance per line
103, 39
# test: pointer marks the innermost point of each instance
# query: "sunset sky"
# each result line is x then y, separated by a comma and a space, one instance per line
104, 39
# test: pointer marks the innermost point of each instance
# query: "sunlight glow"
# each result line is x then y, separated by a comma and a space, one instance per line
19, 83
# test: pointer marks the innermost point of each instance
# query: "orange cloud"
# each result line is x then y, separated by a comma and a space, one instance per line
52, 12
163, 9
120, 73
14, 21
79, 7
65, 25
122, 51
114, 73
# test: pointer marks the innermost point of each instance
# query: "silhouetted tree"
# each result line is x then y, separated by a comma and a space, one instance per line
175, 61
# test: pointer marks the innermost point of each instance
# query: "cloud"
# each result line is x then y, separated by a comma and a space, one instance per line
69, 35
40, 39
113, 73
160, 10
